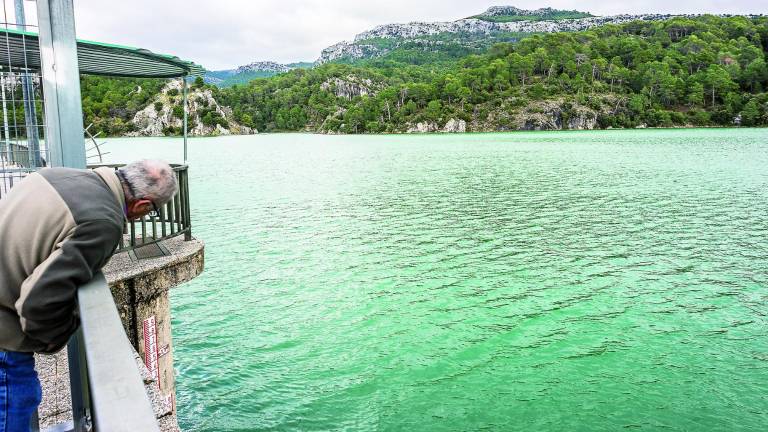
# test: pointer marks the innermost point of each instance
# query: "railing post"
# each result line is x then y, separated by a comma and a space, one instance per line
184, 104
187, 216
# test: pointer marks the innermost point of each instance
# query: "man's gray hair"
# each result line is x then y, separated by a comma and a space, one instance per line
150, 179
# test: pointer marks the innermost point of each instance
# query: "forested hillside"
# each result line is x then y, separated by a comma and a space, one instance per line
111, 103
707, 71
703, 71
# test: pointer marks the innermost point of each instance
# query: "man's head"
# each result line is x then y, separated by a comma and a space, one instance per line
147, 184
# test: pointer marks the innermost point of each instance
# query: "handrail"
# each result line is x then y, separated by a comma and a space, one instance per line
107, 384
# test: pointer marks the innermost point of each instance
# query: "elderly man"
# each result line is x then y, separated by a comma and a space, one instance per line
57, 228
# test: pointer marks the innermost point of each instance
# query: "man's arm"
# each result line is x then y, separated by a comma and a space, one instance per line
48, 296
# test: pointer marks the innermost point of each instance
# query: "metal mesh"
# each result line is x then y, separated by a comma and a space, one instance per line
22, 132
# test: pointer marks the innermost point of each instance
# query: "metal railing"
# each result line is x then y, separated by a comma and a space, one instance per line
173, 219
18, 154
110, 386
108, 393
14, 165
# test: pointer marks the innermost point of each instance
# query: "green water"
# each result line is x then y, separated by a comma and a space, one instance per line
571, 281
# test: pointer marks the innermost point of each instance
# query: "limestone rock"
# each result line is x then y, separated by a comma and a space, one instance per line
350, 87
153, 122
423, 127
455, 126
267, 66
553, 115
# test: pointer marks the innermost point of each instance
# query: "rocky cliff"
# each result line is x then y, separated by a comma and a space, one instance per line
264, 66
551, 114
350, 87
511, 13
363, 46
514, 11
206, 117
451, 126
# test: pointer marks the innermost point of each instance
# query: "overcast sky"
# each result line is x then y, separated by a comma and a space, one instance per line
223, 34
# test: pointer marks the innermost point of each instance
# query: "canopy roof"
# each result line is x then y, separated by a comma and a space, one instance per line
96, 58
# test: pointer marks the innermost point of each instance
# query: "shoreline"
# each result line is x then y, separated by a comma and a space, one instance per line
448, 133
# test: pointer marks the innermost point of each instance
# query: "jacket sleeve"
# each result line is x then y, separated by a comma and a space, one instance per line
48, 297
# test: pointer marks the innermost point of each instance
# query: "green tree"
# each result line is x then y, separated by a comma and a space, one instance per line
750, 115
717, 81
434, 110
178, 111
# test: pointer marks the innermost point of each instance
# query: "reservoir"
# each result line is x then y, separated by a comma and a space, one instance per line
532, 281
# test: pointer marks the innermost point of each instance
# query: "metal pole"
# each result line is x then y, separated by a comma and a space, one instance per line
6, 129
78, 382
184, 104
28, 92
61, 83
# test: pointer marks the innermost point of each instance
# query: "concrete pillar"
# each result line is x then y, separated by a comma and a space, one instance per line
141, 292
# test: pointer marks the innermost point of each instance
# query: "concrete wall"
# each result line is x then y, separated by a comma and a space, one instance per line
141, 292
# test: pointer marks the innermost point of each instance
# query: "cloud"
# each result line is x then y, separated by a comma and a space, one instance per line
222, 34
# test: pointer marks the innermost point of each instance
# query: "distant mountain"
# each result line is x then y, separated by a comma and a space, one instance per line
436, 43
217, 77
454, 39
449, 39
246, 73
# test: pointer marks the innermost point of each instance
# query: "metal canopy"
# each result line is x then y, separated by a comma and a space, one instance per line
20, 49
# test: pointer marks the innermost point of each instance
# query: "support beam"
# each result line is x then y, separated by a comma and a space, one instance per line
61, 83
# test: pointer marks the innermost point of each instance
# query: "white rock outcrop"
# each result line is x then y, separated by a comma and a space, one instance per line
350, 87
423, 127
551, 115
153, 122
455, 126
264, 66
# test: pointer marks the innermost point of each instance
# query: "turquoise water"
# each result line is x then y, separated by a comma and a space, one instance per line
580, 281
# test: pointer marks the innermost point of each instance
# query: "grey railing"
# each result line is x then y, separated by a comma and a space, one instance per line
110, 386
173, 219
108, 392
18, 154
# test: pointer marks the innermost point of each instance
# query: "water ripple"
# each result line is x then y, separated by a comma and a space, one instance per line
545, 281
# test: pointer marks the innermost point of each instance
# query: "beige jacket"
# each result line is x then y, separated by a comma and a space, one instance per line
58, 227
